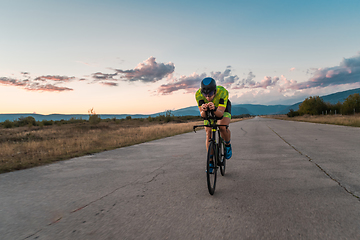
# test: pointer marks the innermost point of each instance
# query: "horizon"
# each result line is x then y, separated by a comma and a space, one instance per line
69, 57
285, 105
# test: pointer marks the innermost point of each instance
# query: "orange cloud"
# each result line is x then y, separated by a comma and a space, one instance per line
32, 86
54, 78
148, 71
47, 88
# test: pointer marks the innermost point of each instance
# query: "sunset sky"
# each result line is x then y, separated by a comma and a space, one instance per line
149, 56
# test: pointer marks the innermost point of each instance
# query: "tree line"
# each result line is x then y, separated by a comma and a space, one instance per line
317, 106
94, 119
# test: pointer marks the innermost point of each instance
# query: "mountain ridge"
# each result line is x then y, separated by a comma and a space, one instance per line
331, 98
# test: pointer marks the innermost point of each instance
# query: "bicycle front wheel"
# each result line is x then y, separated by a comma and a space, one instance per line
211, 168
222, 159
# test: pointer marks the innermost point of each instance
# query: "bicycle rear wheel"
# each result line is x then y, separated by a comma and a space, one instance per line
211, 172
222, 159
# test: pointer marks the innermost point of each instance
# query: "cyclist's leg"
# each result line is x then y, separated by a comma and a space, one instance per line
208, 135
207, 143
225, 133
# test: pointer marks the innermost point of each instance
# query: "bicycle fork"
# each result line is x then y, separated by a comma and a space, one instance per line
216, 149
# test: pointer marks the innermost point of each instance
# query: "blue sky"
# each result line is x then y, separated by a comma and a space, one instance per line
150, 56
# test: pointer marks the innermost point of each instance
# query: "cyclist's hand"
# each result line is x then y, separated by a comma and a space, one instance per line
211, 106
204, 107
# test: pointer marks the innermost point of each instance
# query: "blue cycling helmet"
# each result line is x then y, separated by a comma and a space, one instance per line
208, 86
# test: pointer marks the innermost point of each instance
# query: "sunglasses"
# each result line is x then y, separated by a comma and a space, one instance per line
209, 94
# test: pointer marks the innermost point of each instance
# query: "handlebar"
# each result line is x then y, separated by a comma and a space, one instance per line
214, 126
210, 116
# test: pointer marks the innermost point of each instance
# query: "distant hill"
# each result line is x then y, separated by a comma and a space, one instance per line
188, 111
194, 111
331, 98
237, 109
58, 117
262, 109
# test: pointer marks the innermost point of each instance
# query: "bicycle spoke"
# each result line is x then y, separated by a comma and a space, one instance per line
211, 171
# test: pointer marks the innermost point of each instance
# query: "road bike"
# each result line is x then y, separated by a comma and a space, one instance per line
216, 151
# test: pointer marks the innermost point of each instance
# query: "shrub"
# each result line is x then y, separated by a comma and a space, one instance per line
168, 116
93, 117
47, 123
293, 113
8, 124
313, 106
75, 120
28, 121
334, 108
351, 102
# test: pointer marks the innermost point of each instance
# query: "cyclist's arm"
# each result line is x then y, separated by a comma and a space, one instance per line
202, 108
219, 111
202, 112
222, 104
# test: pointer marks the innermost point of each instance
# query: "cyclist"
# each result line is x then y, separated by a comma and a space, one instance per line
215, 98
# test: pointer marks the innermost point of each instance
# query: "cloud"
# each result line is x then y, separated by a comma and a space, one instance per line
347, 72
147, 71
284, 84
292, 69
34, 85
192, 83
268, 82
150, 71
248, 82
111, 84
103, 76
46, 88
55, 78
189, 83
225, 78
12, 82
49, 83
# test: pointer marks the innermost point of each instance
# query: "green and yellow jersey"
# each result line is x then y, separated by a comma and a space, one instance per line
221, 99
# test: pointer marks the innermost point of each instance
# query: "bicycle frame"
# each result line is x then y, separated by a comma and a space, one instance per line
213, 151
212, 119
212, 124
214, 128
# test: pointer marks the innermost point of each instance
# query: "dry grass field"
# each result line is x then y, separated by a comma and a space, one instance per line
346, 120
26, 147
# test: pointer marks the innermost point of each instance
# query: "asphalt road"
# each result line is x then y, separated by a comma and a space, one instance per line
286, 180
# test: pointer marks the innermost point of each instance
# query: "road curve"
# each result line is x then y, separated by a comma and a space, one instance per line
286, 180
